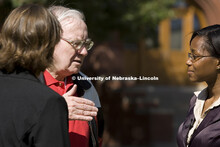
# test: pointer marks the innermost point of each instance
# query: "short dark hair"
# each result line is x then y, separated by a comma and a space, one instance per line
211, 35
28, 38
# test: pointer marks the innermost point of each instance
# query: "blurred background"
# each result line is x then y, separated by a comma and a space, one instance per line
140, 38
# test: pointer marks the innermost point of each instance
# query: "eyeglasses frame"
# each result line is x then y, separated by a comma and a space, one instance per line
195, 58
72, 43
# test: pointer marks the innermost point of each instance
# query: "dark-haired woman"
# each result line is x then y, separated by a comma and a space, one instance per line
201, 127
31, 115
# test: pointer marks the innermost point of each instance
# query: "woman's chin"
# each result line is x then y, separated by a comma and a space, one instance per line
74, 71
193, 79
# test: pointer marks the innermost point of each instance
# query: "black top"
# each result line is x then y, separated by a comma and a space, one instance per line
31, 114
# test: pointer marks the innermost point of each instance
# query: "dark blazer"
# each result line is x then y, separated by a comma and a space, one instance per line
31, 114
208, 132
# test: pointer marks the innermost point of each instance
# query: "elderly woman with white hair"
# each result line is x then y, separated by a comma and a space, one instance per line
82, 99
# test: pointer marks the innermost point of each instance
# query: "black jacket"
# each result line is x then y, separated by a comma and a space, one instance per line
31, 114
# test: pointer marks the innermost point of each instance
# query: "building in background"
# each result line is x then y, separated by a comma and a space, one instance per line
165, 55
148, 113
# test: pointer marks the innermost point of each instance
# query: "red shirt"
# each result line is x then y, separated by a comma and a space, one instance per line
78, 130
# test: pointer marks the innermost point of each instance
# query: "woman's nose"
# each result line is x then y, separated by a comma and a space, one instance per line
189, 62
83, 51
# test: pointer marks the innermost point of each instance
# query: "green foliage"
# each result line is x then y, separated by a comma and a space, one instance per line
16, 3
132, 18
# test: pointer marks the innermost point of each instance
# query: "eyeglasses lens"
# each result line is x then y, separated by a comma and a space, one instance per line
81, 44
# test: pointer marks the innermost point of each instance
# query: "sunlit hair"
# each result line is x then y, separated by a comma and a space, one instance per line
28, 37
66, 15
211, 35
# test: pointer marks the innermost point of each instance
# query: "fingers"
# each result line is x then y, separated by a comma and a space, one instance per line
83, 107
78, 114
72, 91
83, 101
79, 117
80, 108
84, 113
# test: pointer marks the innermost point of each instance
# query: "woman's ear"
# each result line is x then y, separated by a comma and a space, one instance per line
218, 64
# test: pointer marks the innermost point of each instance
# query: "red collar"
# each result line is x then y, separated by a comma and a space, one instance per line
49, 80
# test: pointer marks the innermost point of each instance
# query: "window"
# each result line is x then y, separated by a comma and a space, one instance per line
176, 34
196, 24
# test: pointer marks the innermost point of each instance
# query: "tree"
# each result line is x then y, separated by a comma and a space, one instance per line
16, 3
133, 19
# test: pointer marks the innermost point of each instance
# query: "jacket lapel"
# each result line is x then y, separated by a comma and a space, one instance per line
187, 126
41, 78
211, 117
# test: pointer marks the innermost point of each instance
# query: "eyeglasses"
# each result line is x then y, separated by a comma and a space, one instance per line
195, 58
79, 44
